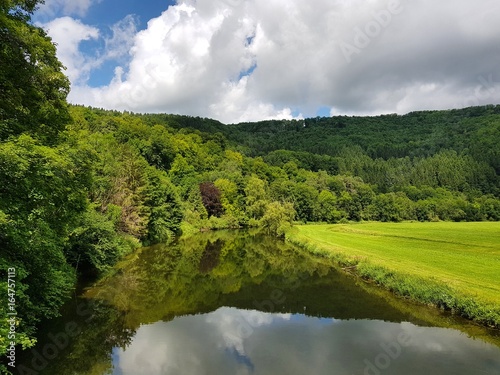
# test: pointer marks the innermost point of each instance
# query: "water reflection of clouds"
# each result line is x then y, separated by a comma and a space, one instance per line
242, 342
240, 324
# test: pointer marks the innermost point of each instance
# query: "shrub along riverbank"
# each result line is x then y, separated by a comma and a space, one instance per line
453, 266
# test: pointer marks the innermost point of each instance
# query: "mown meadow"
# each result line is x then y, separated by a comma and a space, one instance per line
455, 266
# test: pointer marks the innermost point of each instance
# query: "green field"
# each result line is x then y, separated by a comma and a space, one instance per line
447, 264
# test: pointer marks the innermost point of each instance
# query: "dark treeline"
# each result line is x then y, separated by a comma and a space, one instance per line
361, 145
417, 134
81, 187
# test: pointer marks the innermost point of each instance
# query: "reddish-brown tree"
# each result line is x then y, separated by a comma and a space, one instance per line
210, 196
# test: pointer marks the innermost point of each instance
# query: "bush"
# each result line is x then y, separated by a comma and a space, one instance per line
277, 218
95, 245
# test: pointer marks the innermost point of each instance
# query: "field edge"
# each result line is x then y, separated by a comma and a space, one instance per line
419, 289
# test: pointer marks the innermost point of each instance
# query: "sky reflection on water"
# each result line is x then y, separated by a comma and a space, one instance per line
234, 341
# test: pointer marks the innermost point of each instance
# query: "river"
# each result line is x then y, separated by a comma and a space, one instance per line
239, 302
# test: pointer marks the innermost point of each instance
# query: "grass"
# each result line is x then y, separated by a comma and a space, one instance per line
455, 266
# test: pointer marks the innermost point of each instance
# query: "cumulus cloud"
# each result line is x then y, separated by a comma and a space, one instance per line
68, 34
241, 60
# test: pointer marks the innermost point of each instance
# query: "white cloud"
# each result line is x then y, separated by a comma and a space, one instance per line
241, 60
122, 38
68, 33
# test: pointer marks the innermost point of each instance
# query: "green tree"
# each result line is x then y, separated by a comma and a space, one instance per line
231, 202
391, 207
229, 194
326, 209
33, 88
94, 245
489, 208
278, 218
256, 197
304, 200
42, 197
119, 180
163, 206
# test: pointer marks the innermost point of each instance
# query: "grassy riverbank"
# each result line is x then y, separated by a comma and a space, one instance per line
455, 266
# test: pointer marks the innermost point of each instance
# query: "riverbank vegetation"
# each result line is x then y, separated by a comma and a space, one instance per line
82, 186
450, 265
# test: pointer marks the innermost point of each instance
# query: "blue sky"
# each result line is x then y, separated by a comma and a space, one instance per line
108, 12
247, 60
103, 15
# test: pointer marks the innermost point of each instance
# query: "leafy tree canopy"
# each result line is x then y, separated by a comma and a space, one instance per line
33, 88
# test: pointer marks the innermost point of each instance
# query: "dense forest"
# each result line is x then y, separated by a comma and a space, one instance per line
82, 186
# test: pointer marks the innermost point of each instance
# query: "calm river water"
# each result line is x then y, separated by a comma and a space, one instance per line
243, 303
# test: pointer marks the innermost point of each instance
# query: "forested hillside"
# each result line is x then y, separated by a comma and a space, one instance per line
382, 150
81, 187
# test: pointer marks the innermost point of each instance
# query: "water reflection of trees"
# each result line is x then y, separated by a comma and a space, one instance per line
100, 328
193, 275
210, 258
